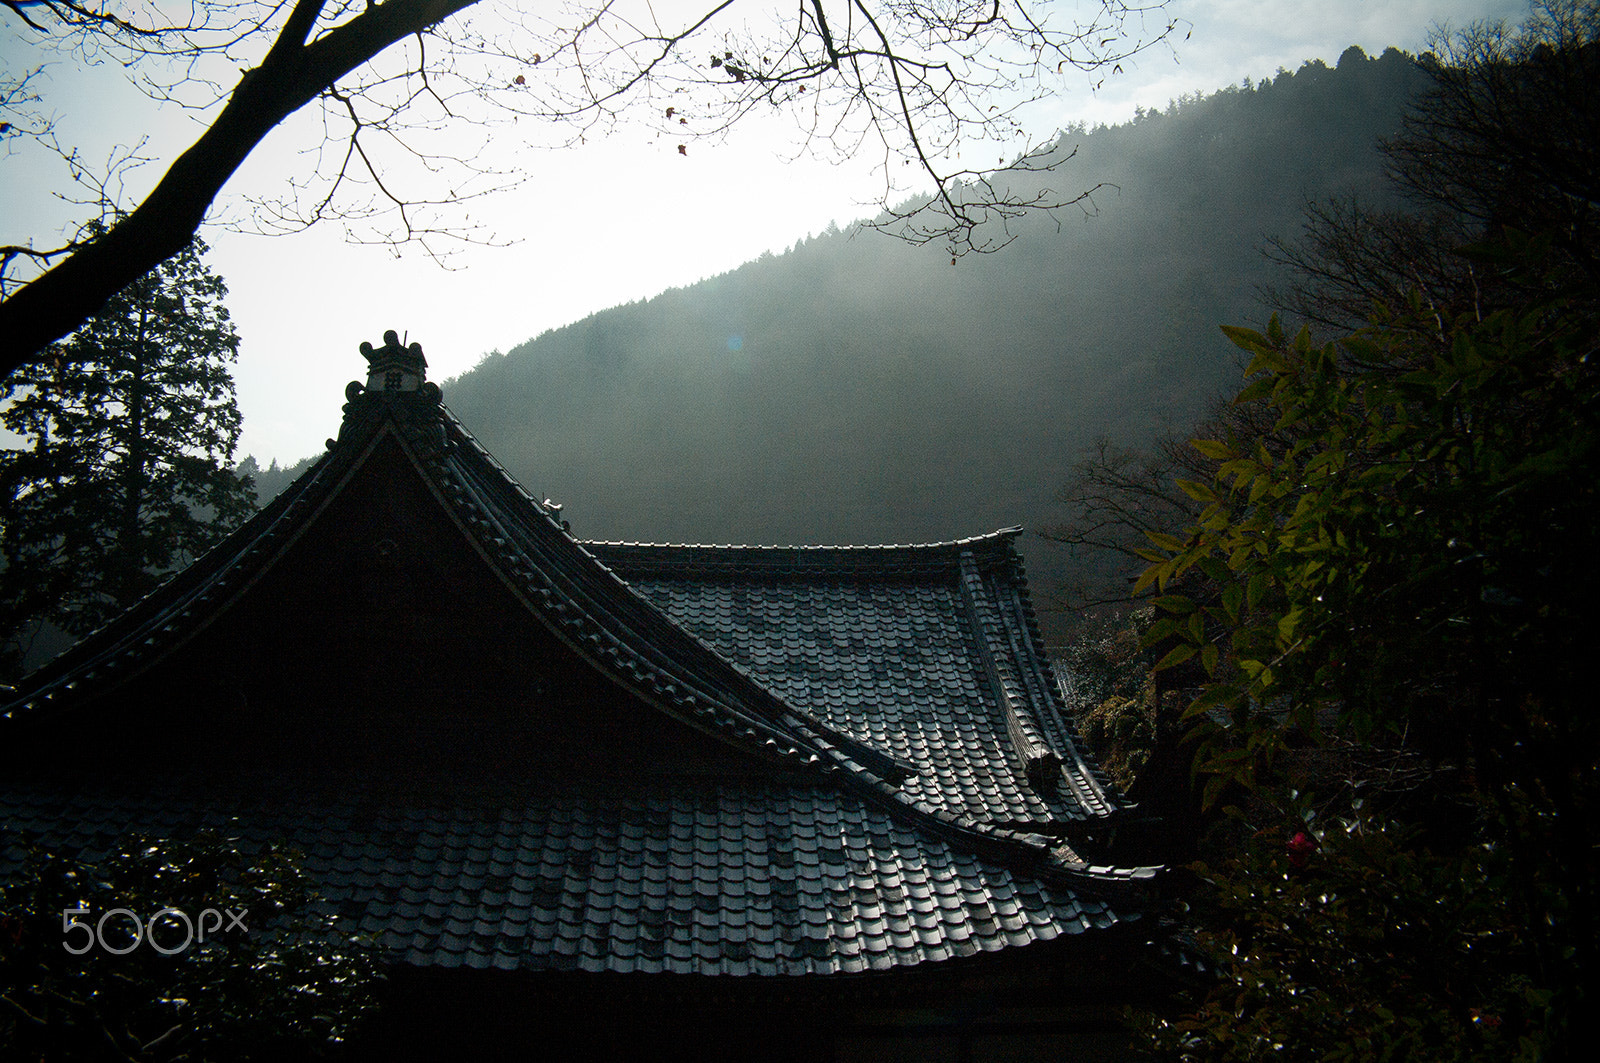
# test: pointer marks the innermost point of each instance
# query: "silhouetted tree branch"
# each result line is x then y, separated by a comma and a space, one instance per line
1116, 496
1507, 134
1504, 137
918, 81
1350, 259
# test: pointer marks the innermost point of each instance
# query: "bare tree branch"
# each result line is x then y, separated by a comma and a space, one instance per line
292, 74
1506, 134
920, 80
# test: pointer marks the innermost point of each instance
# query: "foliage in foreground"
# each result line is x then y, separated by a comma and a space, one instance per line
1379, 588
1357, 940
1404, 560
1405, 551
289, 981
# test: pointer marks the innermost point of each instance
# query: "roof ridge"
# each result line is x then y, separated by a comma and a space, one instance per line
997, 536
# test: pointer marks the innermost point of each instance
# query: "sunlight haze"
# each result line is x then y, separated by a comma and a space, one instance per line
612, 221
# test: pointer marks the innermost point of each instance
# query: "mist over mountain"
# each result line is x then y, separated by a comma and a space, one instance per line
859, 389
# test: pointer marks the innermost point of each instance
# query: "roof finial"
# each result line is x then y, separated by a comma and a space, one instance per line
393, 367
397, 385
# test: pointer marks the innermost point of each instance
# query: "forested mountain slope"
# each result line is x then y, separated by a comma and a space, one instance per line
857, 389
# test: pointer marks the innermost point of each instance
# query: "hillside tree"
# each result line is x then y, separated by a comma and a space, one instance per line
918, 83
123, 471
1503, 135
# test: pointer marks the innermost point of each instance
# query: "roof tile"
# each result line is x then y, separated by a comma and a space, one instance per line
862, 892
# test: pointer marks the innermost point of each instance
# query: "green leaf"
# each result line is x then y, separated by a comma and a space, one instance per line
1287, 622
1256, 589
1215, 694
1170, 543
1163, 628
1176, 656
1231, 595
1149, 575
1266, 360
1212, 792
1255, 391
1247, 339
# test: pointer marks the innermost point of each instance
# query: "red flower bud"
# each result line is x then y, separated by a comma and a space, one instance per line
1300, 847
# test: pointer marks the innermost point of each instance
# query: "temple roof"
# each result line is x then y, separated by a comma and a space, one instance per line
912, 789
720, 879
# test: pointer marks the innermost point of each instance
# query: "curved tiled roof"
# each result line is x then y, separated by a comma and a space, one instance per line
888, 653
722, 880
904, 690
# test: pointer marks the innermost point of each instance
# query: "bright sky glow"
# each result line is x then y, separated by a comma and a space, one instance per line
606, 223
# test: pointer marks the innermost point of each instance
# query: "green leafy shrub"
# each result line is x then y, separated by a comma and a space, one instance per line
1351, 941
273, 975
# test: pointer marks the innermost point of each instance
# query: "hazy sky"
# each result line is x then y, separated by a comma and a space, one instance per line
612, 222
